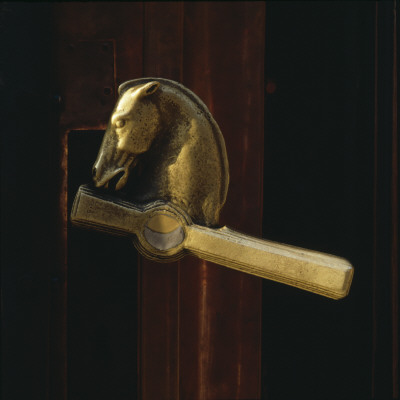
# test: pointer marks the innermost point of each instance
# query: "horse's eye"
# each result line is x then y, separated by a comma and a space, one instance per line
120, 123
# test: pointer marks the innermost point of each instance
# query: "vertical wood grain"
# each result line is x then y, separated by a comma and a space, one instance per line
200, 323
224, 65
98, 46
159, 283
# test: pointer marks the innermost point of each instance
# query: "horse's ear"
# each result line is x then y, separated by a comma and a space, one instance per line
150, 88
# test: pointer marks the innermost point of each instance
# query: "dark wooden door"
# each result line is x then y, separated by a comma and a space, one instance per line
197, 325
331, 182
305, 95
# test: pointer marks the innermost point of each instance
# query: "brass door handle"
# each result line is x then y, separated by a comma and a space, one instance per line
175, 203
163, 232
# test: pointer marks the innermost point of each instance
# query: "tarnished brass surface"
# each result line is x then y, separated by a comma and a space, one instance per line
163, 135
174, 235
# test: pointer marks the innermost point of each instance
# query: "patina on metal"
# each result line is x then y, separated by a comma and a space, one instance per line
163, 137
163, 232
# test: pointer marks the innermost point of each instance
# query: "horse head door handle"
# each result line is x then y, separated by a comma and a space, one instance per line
163, 138
165, 135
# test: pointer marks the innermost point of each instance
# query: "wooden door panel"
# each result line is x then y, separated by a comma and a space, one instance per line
159, 283
204, 352
173, 297
84, 317
100, 356
332, 182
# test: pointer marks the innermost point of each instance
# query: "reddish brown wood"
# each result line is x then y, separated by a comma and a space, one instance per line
163, 40
200, 323
221, 309
99, 45
224, 65
159, 283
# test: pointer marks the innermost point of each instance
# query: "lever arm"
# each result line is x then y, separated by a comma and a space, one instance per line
317, 272
164, 232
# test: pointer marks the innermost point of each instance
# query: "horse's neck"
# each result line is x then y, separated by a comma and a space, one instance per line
177, 114
186, 163
173, 136
180, 133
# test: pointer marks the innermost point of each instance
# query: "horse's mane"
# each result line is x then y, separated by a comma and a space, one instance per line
195, 99
199, 103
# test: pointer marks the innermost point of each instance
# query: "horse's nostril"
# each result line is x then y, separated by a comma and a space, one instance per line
94, 170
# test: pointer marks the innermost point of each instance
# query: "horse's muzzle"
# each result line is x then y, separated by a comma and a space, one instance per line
112, 175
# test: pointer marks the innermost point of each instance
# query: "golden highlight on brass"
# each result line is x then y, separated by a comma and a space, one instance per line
163, 138
163, 232
163, 135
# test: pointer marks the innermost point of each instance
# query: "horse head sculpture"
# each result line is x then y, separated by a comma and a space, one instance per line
164, 150
163, 136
